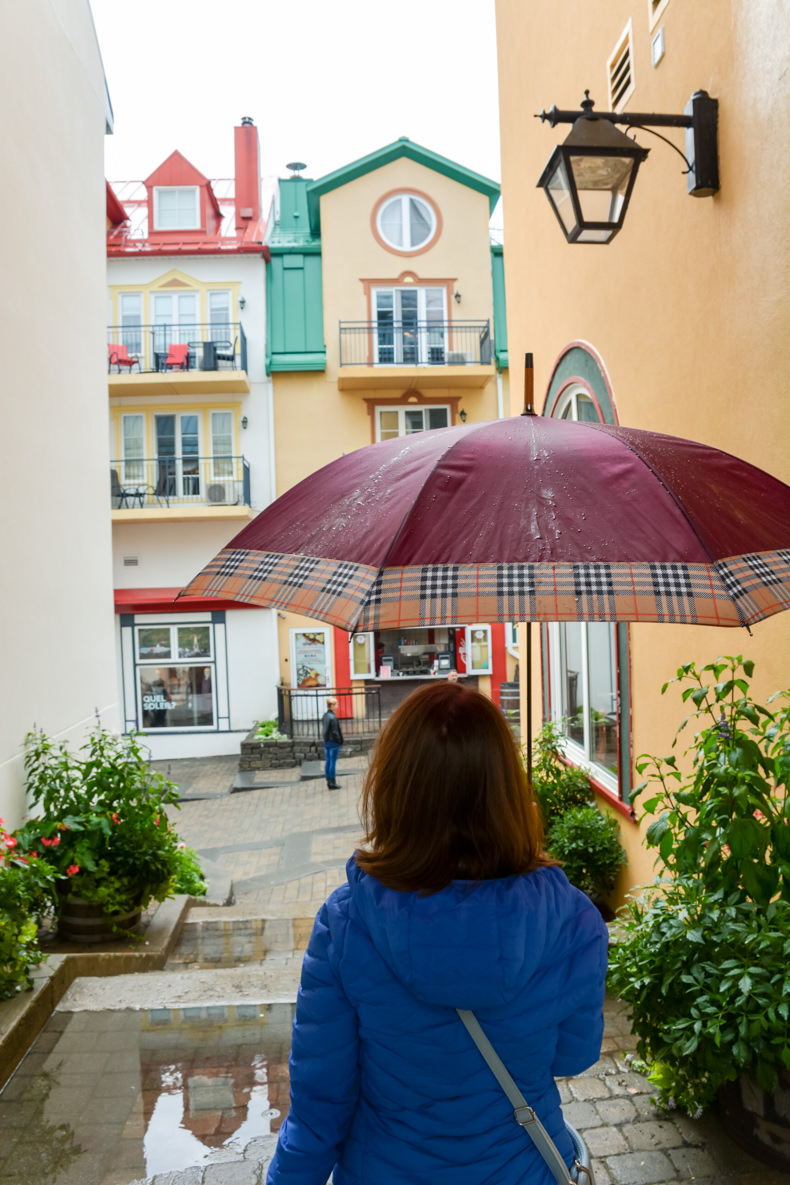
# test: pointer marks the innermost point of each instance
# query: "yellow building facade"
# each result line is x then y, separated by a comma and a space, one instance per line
679, 325
386, 316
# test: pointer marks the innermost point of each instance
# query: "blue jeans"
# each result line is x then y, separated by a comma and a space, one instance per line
331, 750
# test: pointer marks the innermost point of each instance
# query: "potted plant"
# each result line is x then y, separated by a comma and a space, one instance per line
704, 955
26, 896
100, 823
267, 730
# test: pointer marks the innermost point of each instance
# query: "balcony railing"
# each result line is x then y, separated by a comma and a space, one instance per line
132, 349
415, 343
167, 481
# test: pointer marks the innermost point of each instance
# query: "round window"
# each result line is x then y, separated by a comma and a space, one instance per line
406, 222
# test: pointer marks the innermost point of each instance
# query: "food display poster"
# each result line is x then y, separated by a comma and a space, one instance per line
310, 658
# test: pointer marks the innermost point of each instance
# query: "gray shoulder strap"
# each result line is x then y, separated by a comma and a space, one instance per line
522, 1112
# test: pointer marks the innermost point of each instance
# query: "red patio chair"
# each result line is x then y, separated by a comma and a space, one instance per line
178, 357
119, 356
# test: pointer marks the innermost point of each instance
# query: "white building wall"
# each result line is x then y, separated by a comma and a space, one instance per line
58, 653
168, 555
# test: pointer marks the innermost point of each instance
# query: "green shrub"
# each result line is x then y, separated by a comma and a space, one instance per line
558, 787
703, 960
100, 820
189, 874
587, 842
268, 731
26, 895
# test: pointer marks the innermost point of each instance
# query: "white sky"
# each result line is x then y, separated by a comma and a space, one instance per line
326, 81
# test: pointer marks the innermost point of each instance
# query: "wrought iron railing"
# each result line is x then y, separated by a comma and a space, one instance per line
132, 349
300, 709
415, 343
163, 481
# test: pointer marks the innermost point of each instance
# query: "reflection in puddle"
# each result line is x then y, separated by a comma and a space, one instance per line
106, 1098
221, 942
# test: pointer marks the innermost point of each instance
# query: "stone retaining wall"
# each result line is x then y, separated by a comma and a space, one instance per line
286, 754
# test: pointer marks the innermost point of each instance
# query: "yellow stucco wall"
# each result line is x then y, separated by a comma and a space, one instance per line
688, 306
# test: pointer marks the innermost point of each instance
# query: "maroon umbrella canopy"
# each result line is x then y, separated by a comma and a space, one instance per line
524, 519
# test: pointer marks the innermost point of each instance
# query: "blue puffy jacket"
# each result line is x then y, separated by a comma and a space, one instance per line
387, 1087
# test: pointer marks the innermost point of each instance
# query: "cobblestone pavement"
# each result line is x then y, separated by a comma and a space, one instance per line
285, 848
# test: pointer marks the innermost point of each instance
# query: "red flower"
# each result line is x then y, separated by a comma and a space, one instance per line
55, 841
46, 842
72, 870
10, 842
33, 855
156, 821
115, 819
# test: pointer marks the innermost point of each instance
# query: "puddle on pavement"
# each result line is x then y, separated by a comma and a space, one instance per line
105, 1098
219, 942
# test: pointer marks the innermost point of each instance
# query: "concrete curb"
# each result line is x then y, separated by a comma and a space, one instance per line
23, 1017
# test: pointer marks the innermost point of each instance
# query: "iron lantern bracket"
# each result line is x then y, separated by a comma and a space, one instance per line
700, 121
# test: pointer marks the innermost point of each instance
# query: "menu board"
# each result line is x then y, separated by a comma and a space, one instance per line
310, 658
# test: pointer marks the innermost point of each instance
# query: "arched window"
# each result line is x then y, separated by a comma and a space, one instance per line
406, 222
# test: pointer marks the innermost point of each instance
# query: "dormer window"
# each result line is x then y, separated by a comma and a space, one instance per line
176, 207
406, 223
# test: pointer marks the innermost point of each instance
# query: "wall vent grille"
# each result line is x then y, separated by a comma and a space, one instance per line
131, 561
620, 70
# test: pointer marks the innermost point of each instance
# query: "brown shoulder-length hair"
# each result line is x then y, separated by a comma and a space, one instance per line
446, 796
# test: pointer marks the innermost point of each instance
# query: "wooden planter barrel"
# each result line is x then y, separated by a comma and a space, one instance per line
80, 921
759, 1122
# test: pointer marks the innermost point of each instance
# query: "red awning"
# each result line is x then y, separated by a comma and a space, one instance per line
163, 600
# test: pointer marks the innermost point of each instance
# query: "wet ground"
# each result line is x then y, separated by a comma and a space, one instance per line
106, 1098
179, 1077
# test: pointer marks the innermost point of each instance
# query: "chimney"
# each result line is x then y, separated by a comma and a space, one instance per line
248, 174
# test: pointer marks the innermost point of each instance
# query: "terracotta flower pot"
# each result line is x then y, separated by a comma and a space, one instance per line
758, 1121
81, 921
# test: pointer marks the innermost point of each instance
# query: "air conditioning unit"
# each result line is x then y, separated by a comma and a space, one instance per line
223, 492
459, 357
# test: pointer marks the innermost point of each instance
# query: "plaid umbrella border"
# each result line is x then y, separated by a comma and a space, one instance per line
737, 591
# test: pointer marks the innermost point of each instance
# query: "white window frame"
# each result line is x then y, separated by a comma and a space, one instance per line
141, 664
511, 638
178, 474
579, 755
404, 199
133, 469
216, 457
401, 409
425, 334
159, 189
226, 292
369, 641
470, 669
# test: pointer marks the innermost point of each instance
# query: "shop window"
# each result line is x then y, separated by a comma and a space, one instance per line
403, 421
478, 649
175, 676
176, 207
362, 656
406, 222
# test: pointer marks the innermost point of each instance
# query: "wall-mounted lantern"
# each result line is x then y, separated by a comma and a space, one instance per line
590, 177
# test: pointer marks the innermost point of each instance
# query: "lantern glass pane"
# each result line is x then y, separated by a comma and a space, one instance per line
560, 196
601, 183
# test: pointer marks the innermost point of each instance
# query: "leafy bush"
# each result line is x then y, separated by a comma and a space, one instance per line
704, 956
26, 894
587, 842
189, 874
558, 787
268, 731
101, 822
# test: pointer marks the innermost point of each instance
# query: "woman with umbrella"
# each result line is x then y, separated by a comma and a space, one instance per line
451, 905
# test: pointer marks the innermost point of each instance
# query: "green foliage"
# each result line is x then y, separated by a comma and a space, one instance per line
268, 731
26, 894
707, 976
100, 820
189, 874
704, 955
558, 787
727, 823
587, 842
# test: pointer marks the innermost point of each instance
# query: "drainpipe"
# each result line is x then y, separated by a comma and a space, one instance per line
500, 403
